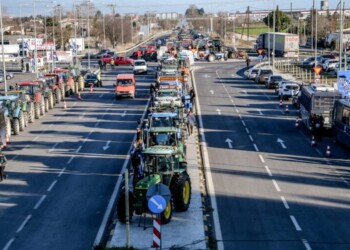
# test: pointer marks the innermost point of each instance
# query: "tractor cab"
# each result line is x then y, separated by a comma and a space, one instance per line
30, 88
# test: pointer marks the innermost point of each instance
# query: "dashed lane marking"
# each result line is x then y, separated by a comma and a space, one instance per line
24, 223
261, 158
285, 203
276, 185
8, 244
296, 225
256, 147
61, 172
37, 205
52, 185
268, 170
70, 159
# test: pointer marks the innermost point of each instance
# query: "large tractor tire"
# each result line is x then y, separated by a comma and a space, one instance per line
58, 95
63, 92
22, 123
8, 128
37, 110
181, 190
76, 87
26, 118
72, 89
166, 215
42, 107
47, 105
68, 90
51, 101
211, 58
31, 115
121, 207
15, 126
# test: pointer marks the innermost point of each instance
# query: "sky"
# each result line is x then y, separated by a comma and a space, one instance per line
14, 7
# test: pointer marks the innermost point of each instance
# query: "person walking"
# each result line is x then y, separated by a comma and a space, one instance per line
3, 162
191, 121
100, 64
112, 63
104, 65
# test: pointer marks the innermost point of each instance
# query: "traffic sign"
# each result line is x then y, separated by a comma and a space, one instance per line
317, 70
156, 204
159, 189
260, 51
260, 57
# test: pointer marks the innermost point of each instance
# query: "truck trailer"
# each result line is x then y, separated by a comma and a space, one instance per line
286, 44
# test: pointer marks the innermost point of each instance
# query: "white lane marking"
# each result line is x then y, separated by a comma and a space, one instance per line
53, 147
78, 149
285, 202
9, 243
82, 116
237, 111
212, 92
256, 147
71, 159
219, 111
124, 113
261, 158
229, 142
251, 138
296, 225
243, 123
247, 130
39, 202
52, 185
85, 140
91, 132
61, 172
280, 141
244, 91
50, 125
268, 170
240, 117
24, 223
276, 185
306, 244
35, 138
100, 96
106, 146
259, 111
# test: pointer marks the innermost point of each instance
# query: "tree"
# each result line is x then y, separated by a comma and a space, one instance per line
282, 20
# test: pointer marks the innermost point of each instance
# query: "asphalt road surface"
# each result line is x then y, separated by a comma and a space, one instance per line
63, 169
270, 189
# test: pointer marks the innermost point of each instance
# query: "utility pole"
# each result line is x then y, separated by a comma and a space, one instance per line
315, 37
274, 35
248, 24
291, 17
312, 24
2, 50
341, 37
113, 17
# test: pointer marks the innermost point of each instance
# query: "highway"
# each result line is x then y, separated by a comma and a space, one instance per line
63, 168
269, 188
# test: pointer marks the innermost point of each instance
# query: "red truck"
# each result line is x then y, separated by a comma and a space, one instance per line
122, 60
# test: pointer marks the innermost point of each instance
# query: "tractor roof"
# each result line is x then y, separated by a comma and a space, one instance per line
159, 150
8, 97
28, 83
163, 129
164, 115
60, 70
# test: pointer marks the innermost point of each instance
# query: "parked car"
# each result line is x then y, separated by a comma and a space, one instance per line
92, 79
288, 90
329, 64
140, 67
263, 75
9, 75
272, 81
92, 56
310, 61
122, 60
252, 73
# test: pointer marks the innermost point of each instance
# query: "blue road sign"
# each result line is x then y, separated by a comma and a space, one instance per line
156, 204
260, 57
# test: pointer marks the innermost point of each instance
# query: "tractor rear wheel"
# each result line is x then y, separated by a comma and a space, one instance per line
72, 89
31, 116
211, 58
76, 87
167, 213
47, 105
8, 128
15, 125
62, 89
121, 207
181, 190
42, 107
58, 95
25, 115
21, 121
37, 110
51, 101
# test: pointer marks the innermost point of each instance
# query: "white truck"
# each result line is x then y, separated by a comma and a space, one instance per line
286, 44
332, 40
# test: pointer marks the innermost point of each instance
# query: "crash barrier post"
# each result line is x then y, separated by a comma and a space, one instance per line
156, 232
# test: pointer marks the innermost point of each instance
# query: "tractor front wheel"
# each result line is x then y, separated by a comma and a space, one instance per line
58, 95
211, 58
63, 92
47, 105
181, 191
31, 116
167, 213
8, 128
25, 115
51, 101
121, 207
21, 121
37, 110
42, 107
15, 125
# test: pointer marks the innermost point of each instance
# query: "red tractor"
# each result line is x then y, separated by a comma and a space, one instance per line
55, 82
34, 93
66, 76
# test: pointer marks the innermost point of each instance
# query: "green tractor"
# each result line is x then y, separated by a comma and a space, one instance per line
47, 92
15, 117
161, 164
27, 106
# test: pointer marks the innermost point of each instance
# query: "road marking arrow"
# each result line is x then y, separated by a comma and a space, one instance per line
260, 113
244, 91
212, 92
219, 111
107, 145
280, 141
159, 206
229, 142
124, 113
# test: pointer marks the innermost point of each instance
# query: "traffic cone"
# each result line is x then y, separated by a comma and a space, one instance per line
313, 142
79, 97
281, 102
297, 122
91, 88
287, 110
64, 105
328, 151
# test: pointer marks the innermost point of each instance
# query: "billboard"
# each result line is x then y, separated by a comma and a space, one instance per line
76, 44
59, 56
344, 83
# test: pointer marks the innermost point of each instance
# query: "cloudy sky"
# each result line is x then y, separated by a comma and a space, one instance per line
141, 6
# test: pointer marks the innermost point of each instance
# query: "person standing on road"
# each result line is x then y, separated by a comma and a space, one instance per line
191, 121
104, 65
3, 162
112, 63
100, 64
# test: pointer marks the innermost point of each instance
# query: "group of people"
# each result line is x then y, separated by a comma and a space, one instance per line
103, 64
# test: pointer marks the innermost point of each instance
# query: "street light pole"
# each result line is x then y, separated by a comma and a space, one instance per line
274, 34
35, 48
2, 50
88, 29
341, 37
